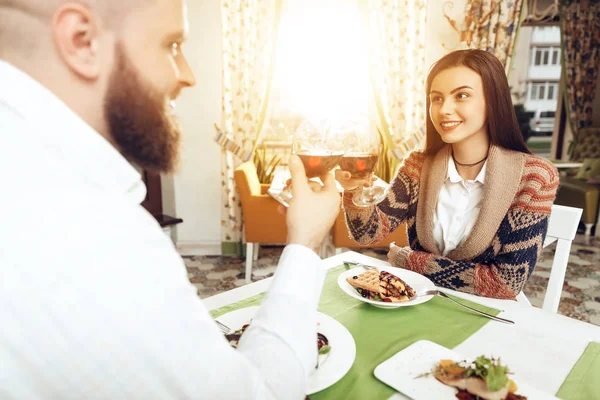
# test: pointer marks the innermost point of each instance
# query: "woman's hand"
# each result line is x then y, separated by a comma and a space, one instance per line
392, 253
397, 256
348, 183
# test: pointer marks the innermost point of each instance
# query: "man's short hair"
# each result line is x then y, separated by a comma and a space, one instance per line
23, 21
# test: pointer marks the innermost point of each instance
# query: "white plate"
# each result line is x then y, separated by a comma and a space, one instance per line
333, 367
417, 281
400, 372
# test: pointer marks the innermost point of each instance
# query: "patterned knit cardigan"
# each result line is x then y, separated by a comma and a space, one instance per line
500, 253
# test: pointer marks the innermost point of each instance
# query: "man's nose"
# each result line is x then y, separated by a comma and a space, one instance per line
186, 76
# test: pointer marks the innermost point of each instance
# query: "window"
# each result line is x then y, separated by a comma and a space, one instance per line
551, 92
538, 57
534, 90
546, 55
555, 57
321, 66
543, 91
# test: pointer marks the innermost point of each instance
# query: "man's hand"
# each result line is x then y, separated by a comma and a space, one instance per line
313, 207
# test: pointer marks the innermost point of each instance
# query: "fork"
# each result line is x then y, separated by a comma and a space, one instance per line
435, 292
224, 328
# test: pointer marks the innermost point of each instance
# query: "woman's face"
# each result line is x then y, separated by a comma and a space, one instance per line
457, 105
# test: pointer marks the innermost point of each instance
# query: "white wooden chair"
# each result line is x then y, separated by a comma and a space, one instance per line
562, 228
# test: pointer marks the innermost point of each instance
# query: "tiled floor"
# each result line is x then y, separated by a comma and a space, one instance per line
580, 297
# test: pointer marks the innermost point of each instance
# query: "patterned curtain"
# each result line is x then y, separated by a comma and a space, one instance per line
249, 31
396, 34
580, 30
490, 25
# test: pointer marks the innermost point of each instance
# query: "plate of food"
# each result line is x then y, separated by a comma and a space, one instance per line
334, 342
385, 287
426, 370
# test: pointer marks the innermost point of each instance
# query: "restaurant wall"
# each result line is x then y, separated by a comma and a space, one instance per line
195, 194
440, 37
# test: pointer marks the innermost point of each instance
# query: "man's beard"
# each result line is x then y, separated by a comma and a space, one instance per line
140, 125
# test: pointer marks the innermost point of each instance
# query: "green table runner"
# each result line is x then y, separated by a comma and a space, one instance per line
583, 382
380, 333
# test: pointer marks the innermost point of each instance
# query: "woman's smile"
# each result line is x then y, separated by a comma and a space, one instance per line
449, 125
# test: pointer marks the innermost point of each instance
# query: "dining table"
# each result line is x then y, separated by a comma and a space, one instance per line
550, 352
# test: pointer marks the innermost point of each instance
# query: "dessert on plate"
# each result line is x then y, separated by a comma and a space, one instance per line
381, 286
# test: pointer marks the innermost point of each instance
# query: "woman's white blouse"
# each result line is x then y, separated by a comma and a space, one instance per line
457, 208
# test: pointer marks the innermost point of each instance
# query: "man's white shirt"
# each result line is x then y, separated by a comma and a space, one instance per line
95, 302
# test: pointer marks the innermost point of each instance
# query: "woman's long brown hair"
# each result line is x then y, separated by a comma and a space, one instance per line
501, 120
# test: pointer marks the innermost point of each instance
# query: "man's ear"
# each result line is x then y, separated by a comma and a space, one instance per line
75, 33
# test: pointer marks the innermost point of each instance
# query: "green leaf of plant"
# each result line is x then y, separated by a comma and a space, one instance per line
325, 349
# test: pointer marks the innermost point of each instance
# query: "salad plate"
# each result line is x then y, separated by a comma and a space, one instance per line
407, 372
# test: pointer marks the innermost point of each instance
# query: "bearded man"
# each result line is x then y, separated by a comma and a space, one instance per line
94, 299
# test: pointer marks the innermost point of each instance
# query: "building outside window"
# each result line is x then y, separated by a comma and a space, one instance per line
534, 79
536, 69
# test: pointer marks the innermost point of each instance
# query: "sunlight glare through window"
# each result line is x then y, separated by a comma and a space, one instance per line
321, 62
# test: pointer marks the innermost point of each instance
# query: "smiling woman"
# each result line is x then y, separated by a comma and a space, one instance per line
476, 202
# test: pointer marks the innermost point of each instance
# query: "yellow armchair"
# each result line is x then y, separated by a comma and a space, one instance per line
262, 222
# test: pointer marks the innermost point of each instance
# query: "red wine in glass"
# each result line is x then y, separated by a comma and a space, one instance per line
320, 148
319, 162
363, 146
360, 165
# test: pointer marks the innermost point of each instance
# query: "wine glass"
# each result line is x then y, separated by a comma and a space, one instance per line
319, 147
363, 150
